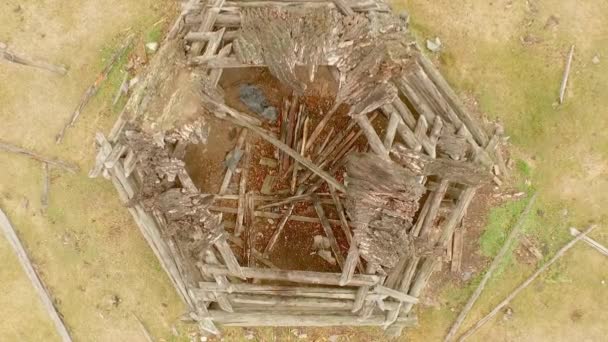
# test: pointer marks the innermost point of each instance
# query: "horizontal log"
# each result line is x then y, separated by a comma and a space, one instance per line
71, 167
400, 296
284, 290
267, 214
264, 318
307, 277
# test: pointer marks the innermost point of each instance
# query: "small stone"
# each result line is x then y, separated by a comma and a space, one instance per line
433, 45
603, 282
333, 338
508, 314
326, 255
203, 338
249, 336
3, 46
595, 59
271, 163
467, 275
303, 336
152, 46
271, 221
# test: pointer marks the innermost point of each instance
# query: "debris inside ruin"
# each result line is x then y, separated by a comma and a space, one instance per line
297, 163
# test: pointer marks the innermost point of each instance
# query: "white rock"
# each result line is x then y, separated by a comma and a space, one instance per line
152, 46
203, 338
333, 338
596, 59
133, 82
302, 336
434, 45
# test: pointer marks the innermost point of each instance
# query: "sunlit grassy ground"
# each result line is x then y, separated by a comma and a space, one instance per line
88, 250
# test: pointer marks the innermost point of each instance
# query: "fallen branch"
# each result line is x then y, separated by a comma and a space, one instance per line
73, 168
525, 284
15, 58
24, 260
495, 263
46, 184
94, 88
562, 89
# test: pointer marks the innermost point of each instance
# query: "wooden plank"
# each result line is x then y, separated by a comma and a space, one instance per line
265, 318
371, 135
398, 295
216, 74
277, 233
525, 284
229, 258
442, 85
307, 277
600, 248
240, 215
254, 252
562, 88
333, 243
457, 248
287, 291
68, 166
291, 302
228, 175
13, 57
26, 264
434, 205
391, 130
271, 215
498, 259
344, 7
222, 282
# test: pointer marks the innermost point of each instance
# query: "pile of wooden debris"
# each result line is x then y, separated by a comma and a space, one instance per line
370, 149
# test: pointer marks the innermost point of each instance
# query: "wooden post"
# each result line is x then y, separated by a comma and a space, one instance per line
26, 264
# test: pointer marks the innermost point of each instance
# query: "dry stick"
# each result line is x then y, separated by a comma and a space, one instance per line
590, 241
277, 233
315, 133
123, 89
73, 168
228, 175
562, 89
24, 260
495, 263
15, 58
525, 284
46, 183
92, 90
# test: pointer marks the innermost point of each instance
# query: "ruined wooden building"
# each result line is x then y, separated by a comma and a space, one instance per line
339, 193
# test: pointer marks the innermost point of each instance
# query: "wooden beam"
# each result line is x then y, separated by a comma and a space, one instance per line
13, 57
371, 135
26, 264
306, 277
284, 290
265, 318
328, 230
600, 248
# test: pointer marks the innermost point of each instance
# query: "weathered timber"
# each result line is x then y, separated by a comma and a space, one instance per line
254, 252
287, 291
451, 170
71, 167
391, 130
229, 258
457, 249
498, 259
240, 215
261, 301
333, 243
221, 280
525, 284
372, 137
93, 88
13, 240
13, 57
434, 204
562, 88
228, 175
277, 233
598, 246
442, 85
271, 215
179, 22
398, 295
265, 318
306, 277
143, 329
251, 124
216, 74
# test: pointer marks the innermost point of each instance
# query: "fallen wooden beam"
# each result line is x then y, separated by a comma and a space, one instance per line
46, 184
71, 167
590, 241
562, 88
26, 264
498, 259
525, 284
265, 318
13, 57
306, 277
333, 243
271, 215
94, 88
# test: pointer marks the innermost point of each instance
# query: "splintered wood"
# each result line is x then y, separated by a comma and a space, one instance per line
359, 196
